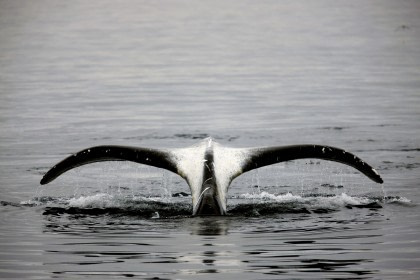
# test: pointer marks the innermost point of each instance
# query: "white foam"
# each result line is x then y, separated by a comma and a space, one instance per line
288, 197
104, 200
318, 201
101, 200
401, 200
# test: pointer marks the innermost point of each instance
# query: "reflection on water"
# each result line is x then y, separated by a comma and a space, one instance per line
264, 235
291, 244
209, 226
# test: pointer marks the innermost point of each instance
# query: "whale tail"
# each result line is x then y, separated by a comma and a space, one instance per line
253, 158
158, 158
259, 157
228, 164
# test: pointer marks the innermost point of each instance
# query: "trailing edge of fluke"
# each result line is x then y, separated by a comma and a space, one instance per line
209, 167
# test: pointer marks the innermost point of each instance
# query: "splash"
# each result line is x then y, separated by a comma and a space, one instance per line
247, 204
103, 200
330, 202
105, 204
340, 200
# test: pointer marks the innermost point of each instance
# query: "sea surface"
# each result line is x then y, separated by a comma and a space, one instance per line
168, 74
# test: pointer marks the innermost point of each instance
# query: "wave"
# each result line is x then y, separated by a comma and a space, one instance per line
322, 201
266, 203
247, 204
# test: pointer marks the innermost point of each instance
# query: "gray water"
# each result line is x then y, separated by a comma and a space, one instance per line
75, 74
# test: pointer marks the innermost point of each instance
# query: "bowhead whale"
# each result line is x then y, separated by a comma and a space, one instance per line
209, 167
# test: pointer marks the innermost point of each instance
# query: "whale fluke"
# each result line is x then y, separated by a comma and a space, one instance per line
153, 157
208, 167
259, 157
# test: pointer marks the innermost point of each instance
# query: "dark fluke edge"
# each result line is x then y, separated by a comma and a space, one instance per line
271, 155
157, 158
208, 167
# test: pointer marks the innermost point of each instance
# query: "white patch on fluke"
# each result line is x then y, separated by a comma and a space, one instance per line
188, 168
227, 166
